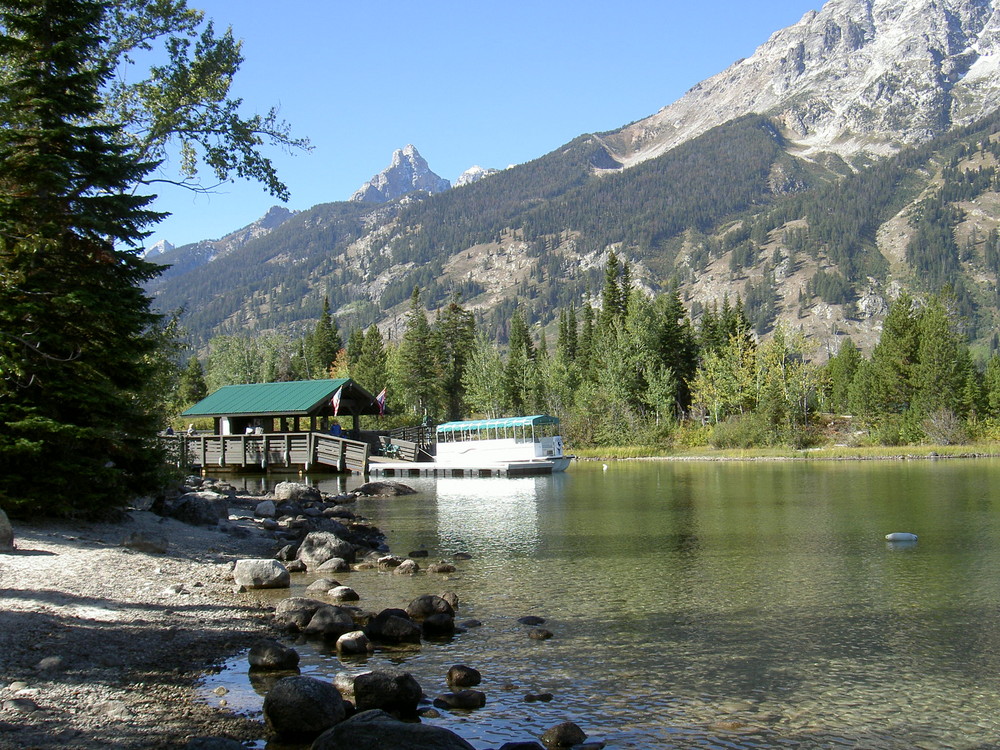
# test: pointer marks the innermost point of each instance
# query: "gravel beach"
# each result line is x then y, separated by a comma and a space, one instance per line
101, 644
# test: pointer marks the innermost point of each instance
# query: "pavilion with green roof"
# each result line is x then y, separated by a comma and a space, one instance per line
300, 406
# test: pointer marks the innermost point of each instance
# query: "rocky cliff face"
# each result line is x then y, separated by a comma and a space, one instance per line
859, 76
407, 173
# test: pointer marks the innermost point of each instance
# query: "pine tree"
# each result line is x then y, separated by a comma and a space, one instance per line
75, 326
942, 362
454, 335
894, 358
518, 368
840, 371
324, 344
191, 388
675, 345
417, 364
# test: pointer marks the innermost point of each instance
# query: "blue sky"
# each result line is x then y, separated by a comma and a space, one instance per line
467, 83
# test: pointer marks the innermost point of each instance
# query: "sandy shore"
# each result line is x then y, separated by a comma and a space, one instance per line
101, 645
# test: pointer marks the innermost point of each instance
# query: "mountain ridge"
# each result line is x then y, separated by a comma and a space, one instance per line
734, 209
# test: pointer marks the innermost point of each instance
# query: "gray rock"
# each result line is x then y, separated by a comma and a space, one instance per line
6, 533
269, 654
384, 489
353, 644
344, 594
302, 707
377, 730
320, 546
296, 492
407, 568
322, 585
463, 699
265, 509
146, 541
439, 624
566, 734
441, 567
463, 676
427, 605
391, 690
295, 612
334, 565
539, 634
389, 562
393, 627
198, 508
329, 622
261, 574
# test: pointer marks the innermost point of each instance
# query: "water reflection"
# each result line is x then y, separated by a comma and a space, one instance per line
488, 515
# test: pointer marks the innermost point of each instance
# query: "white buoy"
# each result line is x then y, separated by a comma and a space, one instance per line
901, 536
605, 466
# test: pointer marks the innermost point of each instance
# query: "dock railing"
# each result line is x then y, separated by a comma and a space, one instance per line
275, 450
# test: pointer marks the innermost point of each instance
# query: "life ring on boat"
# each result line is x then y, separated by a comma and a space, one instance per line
901, 536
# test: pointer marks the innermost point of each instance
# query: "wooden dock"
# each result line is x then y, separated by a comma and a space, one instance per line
276, 451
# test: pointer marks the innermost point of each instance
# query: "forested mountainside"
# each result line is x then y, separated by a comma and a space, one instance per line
732, 212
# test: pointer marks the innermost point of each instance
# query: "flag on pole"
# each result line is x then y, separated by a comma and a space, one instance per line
335, 401
380, 398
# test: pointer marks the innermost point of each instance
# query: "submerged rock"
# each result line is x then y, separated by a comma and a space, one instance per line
384, 489
269, 654
377, 730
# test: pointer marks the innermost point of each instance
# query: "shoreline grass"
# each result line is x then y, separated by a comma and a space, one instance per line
830, 453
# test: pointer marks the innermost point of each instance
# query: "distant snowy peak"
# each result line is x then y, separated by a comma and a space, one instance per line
157, 249
407, 173
474, 174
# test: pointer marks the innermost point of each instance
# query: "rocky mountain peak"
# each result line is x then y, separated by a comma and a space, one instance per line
474, 174
858, 76
407, 172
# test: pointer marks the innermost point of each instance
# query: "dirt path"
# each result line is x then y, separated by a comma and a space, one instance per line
100, 644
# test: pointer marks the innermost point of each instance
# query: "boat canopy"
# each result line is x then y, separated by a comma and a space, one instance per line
497, 424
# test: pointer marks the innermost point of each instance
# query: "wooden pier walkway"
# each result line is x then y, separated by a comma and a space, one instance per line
276, 451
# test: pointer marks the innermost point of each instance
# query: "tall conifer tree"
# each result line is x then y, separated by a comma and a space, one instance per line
75, 326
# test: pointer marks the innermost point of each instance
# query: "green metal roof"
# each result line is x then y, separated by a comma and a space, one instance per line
298, 398
482, 424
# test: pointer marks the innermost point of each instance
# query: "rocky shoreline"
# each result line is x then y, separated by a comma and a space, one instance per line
106, 628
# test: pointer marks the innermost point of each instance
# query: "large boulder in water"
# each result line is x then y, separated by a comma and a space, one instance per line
377, 730
302, 708
269, 654
391, 690
392, 627
296, 492
330, 622
424, 606
320, 546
